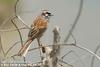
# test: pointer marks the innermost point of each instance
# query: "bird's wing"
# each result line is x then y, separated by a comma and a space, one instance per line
33, 32
31, 36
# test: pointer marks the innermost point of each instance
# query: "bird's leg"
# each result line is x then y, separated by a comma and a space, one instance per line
39, 43
38, 40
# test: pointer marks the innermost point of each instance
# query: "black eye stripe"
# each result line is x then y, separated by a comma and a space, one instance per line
49, 13
46, 13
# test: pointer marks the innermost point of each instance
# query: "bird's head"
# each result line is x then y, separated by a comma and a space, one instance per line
46, 14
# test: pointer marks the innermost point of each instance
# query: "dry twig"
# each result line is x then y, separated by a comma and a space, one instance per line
75, 22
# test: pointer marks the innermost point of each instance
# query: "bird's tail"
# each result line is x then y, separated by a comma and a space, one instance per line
23, 51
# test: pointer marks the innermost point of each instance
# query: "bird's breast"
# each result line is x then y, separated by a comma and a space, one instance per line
41, 23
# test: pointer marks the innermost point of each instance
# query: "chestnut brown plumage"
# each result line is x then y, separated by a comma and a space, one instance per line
38, 27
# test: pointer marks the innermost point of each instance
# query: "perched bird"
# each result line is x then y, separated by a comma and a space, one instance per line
38, 27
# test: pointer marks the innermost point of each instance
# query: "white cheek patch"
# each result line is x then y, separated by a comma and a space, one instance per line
46, 14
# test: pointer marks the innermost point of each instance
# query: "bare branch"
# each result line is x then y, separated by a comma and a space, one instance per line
12, 47
83, 48
55, 48
17, 16
18, 32
51, 45
65, 55
23, 21
67, 64
56, 36
93, 58
56, 40
75, 22
78, 46
76, 56
1, 47
10, 30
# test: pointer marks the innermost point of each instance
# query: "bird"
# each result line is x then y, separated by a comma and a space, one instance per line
38, 27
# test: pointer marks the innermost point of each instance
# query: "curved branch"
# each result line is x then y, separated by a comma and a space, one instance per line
93, 58
15, 7
18, 32
75, 21
83, 48
51, 45
12, 47
76, 56
78, 46
18, 15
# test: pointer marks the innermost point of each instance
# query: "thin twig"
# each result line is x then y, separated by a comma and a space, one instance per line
12, 19
93, 58
76, 56
23, 21
51, 45
83, 48
18, 15
10, 30
78, 46
75, 21
18, 32
1, 47
65, 55
62, 61
12, 47
75, 52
